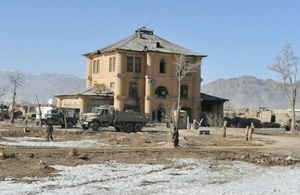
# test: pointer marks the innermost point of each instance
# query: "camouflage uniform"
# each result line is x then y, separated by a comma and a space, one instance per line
49, 131
175, 137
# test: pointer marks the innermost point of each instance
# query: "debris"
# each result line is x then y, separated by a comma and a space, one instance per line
25, 130
73, 152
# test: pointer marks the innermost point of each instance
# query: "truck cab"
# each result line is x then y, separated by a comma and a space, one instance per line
102, 116
105, 115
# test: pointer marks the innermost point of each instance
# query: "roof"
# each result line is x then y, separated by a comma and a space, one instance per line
92, 91
144, 40
207, 97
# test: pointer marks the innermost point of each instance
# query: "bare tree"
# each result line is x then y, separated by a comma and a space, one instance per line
168, 113
16, 79
185, 65
213, 119
286, 65
2, 91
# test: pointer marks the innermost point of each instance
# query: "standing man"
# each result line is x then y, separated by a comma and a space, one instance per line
49, 131
175, 137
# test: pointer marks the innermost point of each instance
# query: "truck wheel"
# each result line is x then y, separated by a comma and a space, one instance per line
128, 128
138, 127
69, 125
84, 127
117, 129
95, 126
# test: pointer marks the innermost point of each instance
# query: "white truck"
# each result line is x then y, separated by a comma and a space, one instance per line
41, 114
104, 116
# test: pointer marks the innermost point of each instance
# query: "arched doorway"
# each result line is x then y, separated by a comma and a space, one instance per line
159, 114
189, 113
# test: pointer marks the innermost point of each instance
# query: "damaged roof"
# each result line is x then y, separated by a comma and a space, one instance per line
96, 90
144, 40
207, 97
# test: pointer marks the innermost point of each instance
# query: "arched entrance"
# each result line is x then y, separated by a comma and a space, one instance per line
159, 115
189, 113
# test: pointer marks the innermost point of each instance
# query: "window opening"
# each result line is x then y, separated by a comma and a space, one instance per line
162, 66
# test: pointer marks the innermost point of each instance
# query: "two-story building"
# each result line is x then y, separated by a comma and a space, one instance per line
138, 73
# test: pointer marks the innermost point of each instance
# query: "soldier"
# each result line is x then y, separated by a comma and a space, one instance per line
49, 131
175, 137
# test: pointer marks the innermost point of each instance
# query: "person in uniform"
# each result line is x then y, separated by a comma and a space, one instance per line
49, 131
175, 137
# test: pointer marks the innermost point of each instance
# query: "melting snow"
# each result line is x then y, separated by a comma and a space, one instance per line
187, 176
183, 176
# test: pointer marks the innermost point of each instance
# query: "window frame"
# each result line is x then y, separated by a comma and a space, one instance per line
129, 64
112, 62
133, 91
139, 65
96, 66
161, 92
184, 94
134, 64
162, 66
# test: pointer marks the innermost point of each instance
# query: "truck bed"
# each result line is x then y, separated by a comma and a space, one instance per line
132, 117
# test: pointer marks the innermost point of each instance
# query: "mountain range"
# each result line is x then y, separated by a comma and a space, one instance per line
242, 92
41, 87
248, 92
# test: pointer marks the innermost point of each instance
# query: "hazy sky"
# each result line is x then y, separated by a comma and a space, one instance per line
240, 37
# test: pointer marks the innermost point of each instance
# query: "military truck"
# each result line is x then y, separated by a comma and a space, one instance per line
57, 116
104, 116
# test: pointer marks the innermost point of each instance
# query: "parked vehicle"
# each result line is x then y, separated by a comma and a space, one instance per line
41, 114
4, 113
105, 116
57, 116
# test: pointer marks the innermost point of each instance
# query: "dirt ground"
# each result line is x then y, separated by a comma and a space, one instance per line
153, 145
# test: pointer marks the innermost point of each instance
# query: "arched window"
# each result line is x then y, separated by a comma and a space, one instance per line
161, 92
162, 66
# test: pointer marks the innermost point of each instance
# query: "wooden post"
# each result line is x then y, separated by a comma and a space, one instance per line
25, 130
246, 133
2, 153
250, 132
224, 129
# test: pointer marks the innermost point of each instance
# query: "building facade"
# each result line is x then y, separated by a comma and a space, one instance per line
140, 73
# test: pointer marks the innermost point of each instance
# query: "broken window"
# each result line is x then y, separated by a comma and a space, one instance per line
133, 89
129, 64
184, 91
161, 92
138, 65
162, 66
134, 64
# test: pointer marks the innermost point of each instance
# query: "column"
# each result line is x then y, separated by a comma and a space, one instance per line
148, 86
89, 69
82, 107
118, 95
